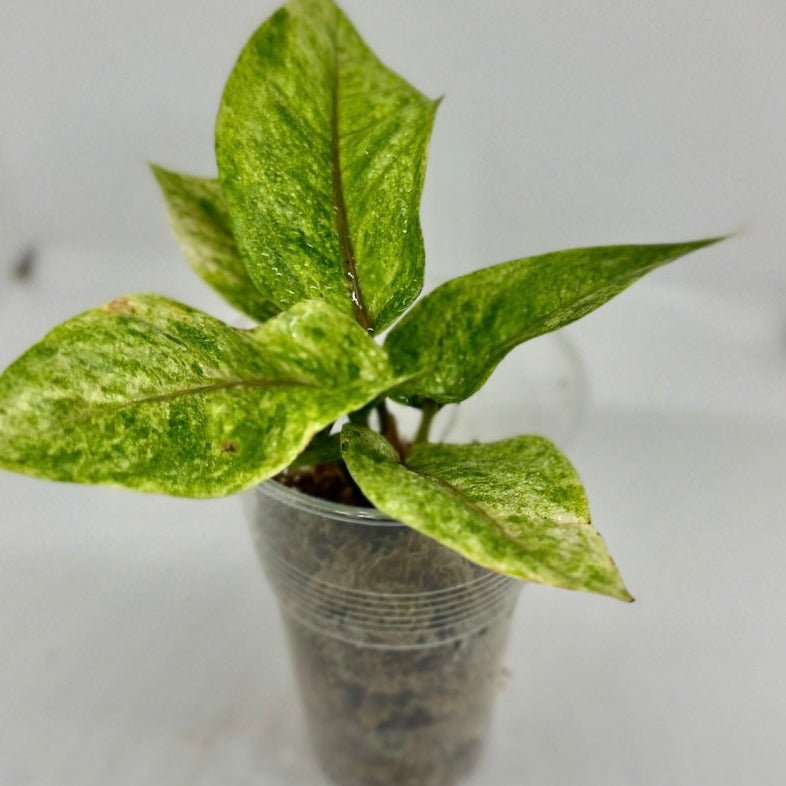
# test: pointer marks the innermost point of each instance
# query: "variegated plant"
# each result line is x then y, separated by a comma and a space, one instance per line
312, 230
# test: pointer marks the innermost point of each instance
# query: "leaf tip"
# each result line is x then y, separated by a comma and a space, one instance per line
158, 171
697, 245
618, 590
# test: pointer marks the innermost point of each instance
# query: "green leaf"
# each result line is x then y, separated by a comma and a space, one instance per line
321, 154
153, 395
322, 449
454, 337
200, 220
516, 507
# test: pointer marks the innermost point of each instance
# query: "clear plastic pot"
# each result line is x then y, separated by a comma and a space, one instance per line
396, 640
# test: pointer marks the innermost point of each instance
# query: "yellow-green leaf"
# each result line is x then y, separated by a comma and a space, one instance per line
153, 395
200, 221
321, 155
515, 506
453, 338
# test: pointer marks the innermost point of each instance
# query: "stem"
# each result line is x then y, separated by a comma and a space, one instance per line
427, 413
360, 416
389, 429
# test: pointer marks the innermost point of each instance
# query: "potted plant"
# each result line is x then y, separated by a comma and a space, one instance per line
396, 559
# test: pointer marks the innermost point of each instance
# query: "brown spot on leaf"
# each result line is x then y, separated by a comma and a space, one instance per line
120, 305
229, 447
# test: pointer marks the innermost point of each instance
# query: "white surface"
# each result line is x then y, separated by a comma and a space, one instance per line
563, 124
138, 641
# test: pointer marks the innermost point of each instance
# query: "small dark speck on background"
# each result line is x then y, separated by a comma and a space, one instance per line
23, 268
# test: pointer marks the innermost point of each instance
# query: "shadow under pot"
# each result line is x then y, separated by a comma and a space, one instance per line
396, 640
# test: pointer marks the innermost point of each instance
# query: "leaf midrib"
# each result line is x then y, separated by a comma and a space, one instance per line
458, 494
349, 260
103, 410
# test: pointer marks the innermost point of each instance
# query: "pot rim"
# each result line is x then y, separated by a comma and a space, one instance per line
351, 514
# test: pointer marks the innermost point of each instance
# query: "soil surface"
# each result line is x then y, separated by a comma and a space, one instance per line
326, 481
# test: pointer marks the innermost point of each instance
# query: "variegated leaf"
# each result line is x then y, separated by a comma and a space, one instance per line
153, 395
199, 218
321, 154
515, 506
453, 338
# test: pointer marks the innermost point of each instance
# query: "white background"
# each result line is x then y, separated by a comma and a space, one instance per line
138, 640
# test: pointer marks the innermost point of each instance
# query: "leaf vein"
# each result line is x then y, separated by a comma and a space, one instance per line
173, 395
